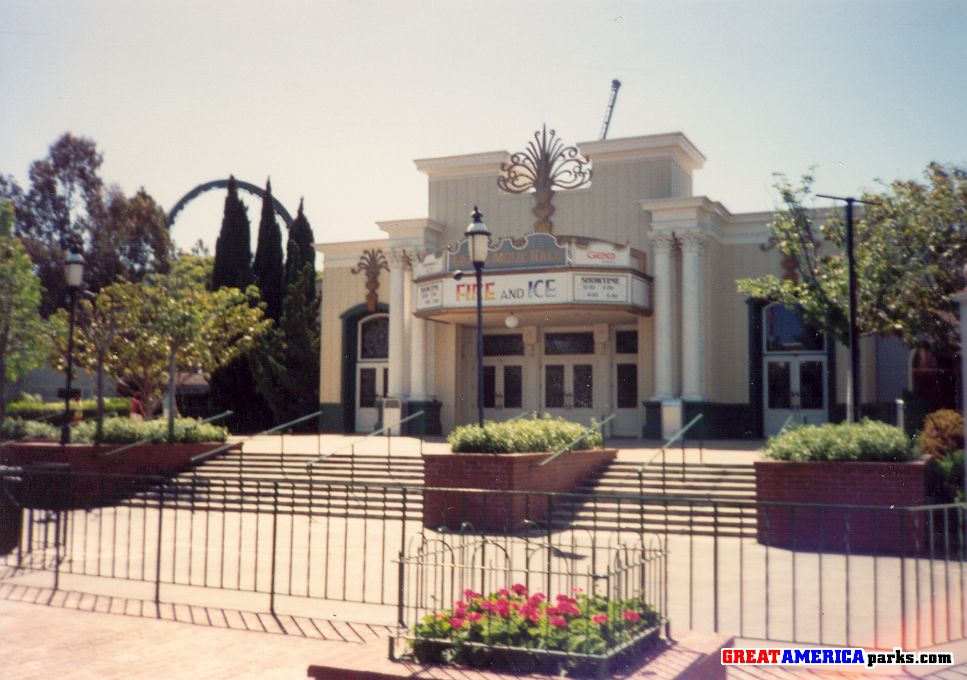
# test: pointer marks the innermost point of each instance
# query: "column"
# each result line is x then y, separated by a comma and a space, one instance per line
418, 352
693, 316
397, 325
662, 245
408, 319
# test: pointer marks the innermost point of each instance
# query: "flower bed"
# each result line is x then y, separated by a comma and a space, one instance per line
521, 630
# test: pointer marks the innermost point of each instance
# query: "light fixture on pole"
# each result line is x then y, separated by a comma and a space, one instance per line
74, 276
478, 242
853, 397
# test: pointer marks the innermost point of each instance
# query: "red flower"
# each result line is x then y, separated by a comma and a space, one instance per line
576, 590
474, 617
456, 622
558, 621
599, 618
630, 615
520, 589
536, 599
503, 592
470, 595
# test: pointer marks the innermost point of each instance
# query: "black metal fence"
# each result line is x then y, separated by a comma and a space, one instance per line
874, 577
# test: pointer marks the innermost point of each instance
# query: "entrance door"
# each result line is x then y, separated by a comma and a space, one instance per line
503, 388
794, 367
628, 409
371, 382
372, 369
568, 375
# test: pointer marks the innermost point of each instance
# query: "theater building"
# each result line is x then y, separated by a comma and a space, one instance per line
609, 289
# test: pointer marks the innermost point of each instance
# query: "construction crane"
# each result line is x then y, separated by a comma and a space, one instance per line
615, 84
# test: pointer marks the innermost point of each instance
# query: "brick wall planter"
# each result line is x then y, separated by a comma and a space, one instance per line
88, 460
457, 485
878, 529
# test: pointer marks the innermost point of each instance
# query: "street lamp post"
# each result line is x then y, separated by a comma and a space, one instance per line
74, 274
853, 396
478, 241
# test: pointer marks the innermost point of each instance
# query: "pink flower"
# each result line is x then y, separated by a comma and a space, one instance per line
502, 607
576, 590
474, 617
456, 622
470, 595
599, 618
487, 606
536, 599
558, 621
503, 592
520, 589
630, 615
565, 598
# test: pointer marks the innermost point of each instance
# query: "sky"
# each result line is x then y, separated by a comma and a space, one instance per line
334, 100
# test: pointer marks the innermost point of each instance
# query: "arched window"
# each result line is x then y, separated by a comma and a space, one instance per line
374, 338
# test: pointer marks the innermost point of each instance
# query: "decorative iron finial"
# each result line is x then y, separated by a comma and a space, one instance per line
544, 165
371, 262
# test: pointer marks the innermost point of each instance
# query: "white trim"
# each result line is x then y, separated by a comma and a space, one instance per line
671, 144
486, 163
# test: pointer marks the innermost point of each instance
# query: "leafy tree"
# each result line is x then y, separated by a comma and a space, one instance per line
910, 250
267, 266
68, 209
22, 336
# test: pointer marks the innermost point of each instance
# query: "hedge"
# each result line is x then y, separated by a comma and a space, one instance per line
531, 435
17, 428
128, 430
53, 411
868, 440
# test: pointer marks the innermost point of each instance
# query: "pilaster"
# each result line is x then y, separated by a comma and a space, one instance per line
693, 315
666, 360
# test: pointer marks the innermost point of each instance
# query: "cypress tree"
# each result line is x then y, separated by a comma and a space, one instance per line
233, 249
267, 266
300, 233
232, 386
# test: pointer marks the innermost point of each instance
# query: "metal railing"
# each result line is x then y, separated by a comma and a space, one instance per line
387, 430
584, 435
680, 435
788, 572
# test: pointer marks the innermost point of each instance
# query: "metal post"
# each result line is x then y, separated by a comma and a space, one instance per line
853, 386
65, 430
157, 559
478, 267
275, 531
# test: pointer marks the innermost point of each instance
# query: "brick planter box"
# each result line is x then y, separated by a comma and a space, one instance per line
878, 529
457, 486
99, 476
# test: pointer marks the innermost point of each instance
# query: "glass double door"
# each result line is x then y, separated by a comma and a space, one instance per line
796, 388
503, 387
568, 389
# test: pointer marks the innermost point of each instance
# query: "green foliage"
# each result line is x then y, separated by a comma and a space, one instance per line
524, 435
17, 428
128, 430
868, 440
943, 433
267, 266
23, 338
233, 251
579, 624
300, 252
945, 478
52, 411
911, 246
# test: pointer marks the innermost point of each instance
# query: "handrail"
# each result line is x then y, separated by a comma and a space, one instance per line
521, 415
362, 439
785, 425
678, 435
159, 435
225, 447
583, 435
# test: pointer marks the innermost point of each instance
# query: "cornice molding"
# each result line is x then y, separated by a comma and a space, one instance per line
486, 163
672, 144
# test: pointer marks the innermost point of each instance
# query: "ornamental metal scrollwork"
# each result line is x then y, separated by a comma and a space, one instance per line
546, 164
371, 262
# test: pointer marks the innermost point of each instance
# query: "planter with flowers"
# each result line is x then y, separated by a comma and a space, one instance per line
511, 456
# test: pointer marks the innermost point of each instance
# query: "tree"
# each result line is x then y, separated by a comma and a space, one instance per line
233, 248
287, 368
22, 337
300, 233
68, 209
267, 266
910, 250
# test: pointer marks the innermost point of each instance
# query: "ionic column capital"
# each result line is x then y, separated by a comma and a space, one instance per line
692, 242
662, 242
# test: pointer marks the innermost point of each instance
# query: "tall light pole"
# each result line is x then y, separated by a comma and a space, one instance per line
853, 399
74, 274
478, 241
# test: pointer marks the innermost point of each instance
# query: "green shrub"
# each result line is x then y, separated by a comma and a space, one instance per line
53, 411
943, 433
127, 431
523, 436
868, 440
17, 428
945, 478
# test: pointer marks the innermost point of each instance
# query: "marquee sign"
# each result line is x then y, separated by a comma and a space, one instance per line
536, 251
538, 289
